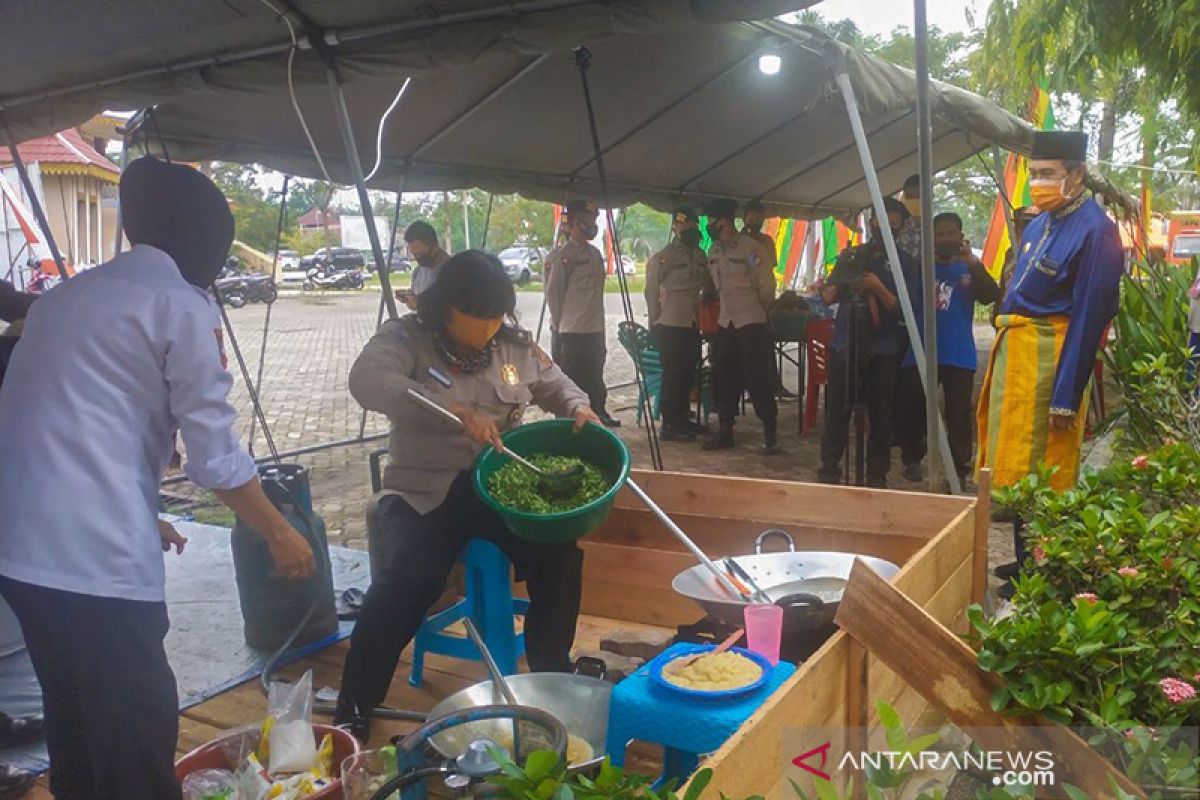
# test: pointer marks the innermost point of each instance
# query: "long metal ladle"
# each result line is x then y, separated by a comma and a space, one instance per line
555, 484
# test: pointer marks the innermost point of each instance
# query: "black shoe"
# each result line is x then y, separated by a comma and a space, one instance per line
770, 446
1006, 572
609, 421
354, 718
677, 435
14, 782
722, 441
831, 475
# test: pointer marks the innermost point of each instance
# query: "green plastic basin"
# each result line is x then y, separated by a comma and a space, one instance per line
594, 444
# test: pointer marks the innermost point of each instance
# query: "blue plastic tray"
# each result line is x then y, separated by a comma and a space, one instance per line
684, 651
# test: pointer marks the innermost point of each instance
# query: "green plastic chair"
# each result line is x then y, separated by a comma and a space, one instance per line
643, 350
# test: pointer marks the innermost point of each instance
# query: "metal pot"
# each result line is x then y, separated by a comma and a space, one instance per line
579, 702
809, 585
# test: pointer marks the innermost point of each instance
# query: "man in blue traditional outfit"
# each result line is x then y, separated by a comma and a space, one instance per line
1064, 292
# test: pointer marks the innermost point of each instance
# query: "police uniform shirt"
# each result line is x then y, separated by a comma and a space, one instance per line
575, 288
427, 453
675, 278
743, 276
113, 362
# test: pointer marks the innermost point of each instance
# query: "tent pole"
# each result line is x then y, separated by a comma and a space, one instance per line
360, 184
933, 418
889, 241
34, 203
487, 222
262, 345
362, 422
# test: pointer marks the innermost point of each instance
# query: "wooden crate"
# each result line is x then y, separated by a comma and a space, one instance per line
942, 553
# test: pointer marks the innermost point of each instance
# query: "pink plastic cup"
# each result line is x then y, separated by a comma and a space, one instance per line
764, 629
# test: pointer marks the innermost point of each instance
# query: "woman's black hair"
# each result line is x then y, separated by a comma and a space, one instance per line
475, 283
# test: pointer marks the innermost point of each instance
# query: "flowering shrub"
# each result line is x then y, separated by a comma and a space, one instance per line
1106, 622
1105, 629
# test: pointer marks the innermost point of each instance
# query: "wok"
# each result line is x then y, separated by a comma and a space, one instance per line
809, 585
579, 702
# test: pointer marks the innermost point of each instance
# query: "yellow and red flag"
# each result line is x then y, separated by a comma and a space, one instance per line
1016, 186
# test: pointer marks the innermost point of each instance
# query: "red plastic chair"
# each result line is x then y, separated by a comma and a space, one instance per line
817, 337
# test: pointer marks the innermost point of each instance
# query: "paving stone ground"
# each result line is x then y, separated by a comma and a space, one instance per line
314, 339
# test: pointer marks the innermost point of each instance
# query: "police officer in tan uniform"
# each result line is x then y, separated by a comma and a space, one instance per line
462, 350
745, 279
676, 276
575, 298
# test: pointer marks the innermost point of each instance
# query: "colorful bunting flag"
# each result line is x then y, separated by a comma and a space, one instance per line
1016, 186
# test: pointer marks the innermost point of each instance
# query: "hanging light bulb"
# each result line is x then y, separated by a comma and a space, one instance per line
769, 64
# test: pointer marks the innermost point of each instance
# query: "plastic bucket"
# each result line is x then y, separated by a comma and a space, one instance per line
212, 756
594, 444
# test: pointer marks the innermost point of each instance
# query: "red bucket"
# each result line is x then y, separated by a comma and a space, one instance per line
710, 316
212, 756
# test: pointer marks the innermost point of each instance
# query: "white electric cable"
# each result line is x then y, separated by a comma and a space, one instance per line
379, 131
292, 89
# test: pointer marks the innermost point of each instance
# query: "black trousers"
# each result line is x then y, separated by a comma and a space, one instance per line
958, 387
425, 551
108, 693
745, 357
679, 349
581, 356
877, 386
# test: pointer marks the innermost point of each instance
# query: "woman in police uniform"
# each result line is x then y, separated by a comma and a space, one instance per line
462, 349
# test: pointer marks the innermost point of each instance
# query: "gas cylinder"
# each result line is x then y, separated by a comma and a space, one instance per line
272, 605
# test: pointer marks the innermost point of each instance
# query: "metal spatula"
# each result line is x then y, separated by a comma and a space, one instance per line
554, 484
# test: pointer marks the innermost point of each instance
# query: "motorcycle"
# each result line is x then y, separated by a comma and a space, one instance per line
322, 278
238, 288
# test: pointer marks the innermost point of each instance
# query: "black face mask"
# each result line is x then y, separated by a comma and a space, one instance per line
946, 250
591, 230
751, 228
714, 231
425, 260
690, 237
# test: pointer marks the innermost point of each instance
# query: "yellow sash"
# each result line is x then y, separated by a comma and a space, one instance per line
1014, 404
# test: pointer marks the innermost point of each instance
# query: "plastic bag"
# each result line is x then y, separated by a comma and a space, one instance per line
252, 779
211, 784
287, 732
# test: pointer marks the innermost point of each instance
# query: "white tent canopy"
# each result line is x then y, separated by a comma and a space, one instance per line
684, 114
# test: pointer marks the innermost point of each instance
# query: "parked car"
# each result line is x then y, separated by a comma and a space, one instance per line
287, 259
293, 272
629, 265
523, 264
337, 258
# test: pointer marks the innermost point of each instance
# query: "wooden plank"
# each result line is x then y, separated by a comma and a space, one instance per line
833, 507
946, 673
729, 536
858, 711
983, 521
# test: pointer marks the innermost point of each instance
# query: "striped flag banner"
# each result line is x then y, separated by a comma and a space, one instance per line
1016, 186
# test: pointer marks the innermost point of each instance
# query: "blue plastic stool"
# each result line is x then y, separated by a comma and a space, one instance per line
686, 728
489, 603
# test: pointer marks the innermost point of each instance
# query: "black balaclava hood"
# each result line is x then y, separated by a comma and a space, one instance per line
181, 212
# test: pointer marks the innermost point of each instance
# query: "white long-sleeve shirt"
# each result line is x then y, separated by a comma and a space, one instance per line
111, 364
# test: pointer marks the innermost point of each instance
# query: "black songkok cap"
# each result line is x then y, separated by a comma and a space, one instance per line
180, 211
1060, 145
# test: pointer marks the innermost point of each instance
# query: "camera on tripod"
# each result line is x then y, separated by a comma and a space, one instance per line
852, 266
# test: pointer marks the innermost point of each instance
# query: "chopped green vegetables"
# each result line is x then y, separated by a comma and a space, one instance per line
517, 488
